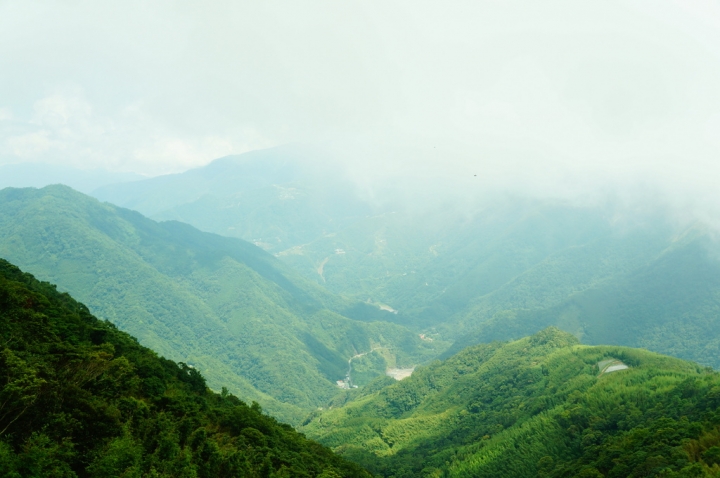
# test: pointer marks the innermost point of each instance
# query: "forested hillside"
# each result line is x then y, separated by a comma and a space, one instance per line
79, 398
670, 305
540, 406
223, 305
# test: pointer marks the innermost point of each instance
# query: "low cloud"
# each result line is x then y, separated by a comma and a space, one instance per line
559, 98
64, 129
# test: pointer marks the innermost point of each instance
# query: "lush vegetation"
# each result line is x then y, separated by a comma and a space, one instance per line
534, 407
80, 398
225, 306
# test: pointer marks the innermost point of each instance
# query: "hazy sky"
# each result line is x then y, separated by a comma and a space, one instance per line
580, 91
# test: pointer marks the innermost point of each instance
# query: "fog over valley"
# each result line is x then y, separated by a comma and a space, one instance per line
396, 239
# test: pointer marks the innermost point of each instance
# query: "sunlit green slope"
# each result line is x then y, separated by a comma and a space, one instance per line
79, 398
539, 406
225, 306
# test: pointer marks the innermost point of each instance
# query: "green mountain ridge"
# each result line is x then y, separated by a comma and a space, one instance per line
79, 398
538, 406
233, 311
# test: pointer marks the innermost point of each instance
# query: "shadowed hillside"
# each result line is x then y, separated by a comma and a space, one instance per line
79, 398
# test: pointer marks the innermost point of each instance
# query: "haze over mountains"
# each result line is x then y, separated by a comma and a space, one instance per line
38, 175
484, 269
457, 239
278, 198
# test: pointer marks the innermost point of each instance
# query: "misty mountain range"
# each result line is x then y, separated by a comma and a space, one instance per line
283, 283
471, 273
359, 239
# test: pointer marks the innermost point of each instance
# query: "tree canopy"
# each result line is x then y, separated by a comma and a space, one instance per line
80, 398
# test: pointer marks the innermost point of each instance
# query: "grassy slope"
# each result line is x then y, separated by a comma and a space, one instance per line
221, 304
78, 398
534, 407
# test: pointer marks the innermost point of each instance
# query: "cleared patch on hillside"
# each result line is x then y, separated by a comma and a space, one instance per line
610, 365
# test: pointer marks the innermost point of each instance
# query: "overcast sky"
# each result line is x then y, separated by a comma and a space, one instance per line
580, 91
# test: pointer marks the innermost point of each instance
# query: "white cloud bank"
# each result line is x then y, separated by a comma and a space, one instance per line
551, 96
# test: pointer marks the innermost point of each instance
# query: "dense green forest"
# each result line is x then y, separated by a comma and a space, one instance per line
233, 311
79, 398
543, 405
